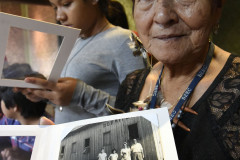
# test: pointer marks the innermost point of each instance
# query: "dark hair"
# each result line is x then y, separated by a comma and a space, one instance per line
117, 15
217, 3
114, 150
28, 109
103, 6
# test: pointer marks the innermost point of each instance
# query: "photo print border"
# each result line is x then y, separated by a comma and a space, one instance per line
69, 35
24, 130
48, 138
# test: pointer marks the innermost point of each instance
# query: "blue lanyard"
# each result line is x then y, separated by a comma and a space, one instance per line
200, 74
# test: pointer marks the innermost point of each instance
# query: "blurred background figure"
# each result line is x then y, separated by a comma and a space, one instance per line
16, 108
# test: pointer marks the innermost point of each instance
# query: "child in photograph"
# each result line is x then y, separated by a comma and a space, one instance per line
113, 155
102, 155
125, 152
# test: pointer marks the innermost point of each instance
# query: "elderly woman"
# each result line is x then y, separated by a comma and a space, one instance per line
195, 79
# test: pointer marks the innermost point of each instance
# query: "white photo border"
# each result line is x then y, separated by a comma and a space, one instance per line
69, 35
48, 138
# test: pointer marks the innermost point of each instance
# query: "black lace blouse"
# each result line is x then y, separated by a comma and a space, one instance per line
215, 131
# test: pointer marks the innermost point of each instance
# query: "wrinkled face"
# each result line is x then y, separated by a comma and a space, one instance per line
74, 13
9, 113
174, 30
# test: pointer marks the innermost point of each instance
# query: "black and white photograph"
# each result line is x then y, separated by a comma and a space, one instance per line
144, 135
134, 138
16, 147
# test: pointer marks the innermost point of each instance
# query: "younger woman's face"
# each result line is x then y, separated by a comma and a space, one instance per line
79, 14
174, 29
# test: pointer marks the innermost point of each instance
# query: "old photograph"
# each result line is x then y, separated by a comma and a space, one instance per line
134, 138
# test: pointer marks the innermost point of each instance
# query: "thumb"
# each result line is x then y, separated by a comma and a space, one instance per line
46, 121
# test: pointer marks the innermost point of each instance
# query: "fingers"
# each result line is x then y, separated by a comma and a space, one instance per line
41, 82
41, 94
29, 94
59, 93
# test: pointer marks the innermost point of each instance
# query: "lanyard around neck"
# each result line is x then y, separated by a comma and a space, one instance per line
200, 74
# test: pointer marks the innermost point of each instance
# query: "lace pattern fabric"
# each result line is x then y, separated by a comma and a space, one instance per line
221, 105
225, 107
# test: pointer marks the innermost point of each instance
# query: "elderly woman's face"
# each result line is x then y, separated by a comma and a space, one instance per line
174, 29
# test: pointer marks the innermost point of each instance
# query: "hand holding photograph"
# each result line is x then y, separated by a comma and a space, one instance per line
21, 42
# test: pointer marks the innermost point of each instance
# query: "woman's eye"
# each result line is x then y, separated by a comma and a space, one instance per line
145, 1
144, 4
67, 4
54, 6
186, 2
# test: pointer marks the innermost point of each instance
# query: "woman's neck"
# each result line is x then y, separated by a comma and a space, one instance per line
177, 77
187, 68
99, 26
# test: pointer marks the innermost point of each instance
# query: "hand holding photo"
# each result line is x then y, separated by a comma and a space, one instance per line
21, 42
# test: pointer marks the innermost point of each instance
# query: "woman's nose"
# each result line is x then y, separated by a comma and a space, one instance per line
165, 14
60, 15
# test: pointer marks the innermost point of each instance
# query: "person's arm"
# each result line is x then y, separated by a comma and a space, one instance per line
142, 150
93, 100
70, 91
